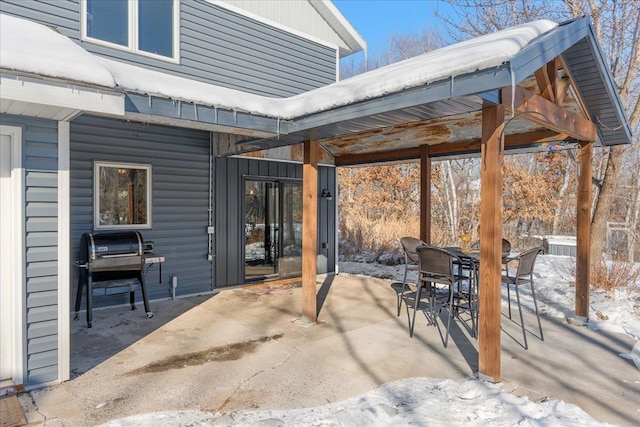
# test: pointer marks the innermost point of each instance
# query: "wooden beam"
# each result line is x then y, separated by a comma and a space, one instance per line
583, 235
453, 148
552, 72
425, 194
562, 89
546, 77
548, 114
490, 286
310, 231
404, 154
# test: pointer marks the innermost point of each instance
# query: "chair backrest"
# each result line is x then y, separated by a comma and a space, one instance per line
506, 246
409, 245
436, 264
527, 262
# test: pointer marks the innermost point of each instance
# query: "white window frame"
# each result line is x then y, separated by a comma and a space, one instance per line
132, 44
96, 195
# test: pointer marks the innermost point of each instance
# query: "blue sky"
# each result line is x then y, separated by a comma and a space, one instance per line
376, 19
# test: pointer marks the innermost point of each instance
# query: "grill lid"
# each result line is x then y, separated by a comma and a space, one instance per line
104, 245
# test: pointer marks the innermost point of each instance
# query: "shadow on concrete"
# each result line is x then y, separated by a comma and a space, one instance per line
323, 292
116, 328
360, 342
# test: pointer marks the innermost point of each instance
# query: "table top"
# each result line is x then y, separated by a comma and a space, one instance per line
457, 251
475, 255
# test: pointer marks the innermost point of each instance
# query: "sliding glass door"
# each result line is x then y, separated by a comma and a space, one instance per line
272, 229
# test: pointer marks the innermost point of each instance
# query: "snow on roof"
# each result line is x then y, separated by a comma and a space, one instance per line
34, 48
29, 47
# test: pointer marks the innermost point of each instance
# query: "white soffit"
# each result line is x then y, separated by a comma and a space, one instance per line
54, 101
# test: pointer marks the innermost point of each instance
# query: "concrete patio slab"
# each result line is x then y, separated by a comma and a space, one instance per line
239, 350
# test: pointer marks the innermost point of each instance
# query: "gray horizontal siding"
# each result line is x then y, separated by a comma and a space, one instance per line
217, 46
230, 172
269, 61
40, 157
63, 15
180, 185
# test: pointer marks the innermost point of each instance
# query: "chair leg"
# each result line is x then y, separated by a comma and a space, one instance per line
450, 314
432, 304
509, 298
401, 296
535, 304
472, 308
416, 305
524, 333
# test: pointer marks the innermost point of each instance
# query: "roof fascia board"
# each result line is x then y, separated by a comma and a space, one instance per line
236, 122
353, 39
541, 51
44, 92
609, 84
556, 43
461, 86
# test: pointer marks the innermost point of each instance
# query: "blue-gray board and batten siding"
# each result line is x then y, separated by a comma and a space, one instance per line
40, 162
179, 160
229, 199
217, 46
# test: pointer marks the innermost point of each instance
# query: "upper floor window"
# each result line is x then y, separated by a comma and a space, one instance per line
149, 27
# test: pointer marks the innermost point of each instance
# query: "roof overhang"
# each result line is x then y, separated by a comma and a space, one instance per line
447, 114
341, 25
21, 95
433, 100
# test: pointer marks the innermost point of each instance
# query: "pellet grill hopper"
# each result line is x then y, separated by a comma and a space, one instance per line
110, 264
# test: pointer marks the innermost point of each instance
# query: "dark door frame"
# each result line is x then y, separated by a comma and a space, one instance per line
279, 181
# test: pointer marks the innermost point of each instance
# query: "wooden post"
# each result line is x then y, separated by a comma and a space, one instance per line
309, 231
490, 287
425, 194
583, 244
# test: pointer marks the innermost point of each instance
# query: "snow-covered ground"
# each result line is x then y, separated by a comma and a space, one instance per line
426, 401
414, 401
617, 312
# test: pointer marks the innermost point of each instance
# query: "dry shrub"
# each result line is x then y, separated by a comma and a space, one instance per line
618, 275
364, 234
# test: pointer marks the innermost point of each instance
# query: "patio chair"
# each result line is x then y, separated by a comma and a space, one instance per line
506, 246
524, 274
409, 246
436, 266
506, 250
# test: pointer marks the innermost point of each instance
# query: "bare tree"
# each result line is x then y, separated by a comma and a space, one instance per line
617, 27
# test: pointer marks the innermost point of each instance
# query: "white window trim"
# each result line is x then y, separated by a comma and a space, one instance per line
132, 44
96, 196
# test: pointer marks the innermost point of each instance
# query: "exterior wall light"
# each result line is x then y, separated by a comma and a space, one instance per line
327, 194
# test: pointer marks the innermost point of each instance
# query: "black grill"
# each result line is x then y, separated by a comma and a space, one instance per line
110, 264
